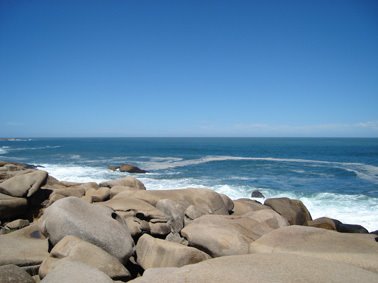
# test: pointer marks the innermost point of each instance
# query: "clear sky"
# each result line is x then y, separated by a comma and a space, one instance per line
188, 68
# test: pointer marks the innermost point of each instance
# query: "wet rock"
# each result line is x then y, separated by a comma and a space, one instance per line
131, 169
257, 194
336, 225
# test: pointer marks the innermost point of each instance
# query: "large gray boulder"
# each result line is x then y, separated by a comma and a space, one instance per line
25, 247
24, 185
221, 235
257, 268
13, 274
75, 249
152, 252
96, 224
12, 207
356, 249
73, 271
292, 209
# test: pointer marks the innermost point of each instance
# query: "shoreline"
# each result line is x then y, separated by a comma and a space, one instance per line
180, 228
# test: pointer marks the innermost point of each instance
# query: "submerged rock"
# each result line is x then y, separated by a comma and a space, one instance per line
127, 168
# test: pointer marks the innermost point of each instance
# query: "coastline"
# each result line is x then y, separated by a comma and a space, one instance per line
180, 229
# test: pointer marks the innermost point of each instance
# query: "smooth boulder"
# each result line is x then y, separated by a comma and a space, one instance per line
24, 185
13, 274
292, 209
243, 206
25, 247
207, 199
75, 249
356, 249
128, 181
96, 224
153, 252
257, 268
221, 235
73, 271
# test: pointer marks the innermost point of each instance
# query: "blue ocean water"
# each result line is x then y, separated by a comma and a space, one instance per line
334, 177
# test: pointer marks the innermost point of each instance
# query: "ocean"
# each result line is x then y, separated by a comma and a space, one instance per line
334, 177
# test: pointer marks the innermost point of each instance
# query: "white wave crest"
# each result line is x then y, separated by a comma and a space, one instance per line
4, 149
363, 171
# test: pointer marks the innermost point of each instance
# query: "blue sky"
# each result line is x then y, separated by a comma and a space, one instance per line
189, 68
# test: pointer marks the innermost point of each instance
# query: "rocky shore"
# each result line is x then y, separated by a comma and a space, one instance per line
117, 231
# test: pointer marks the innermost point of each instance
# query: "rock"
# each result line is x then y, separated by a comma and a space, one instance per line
101, 194
207, 199
119, 189
131, 169
175, 211
323, 222
193, 212
243, 206
12, 207
336, 225
152, 252
25, 247
73, 271
75, 249
229, 204
74, 191
96, 224
293, 210
17, 224
23, 185
221, 235
128, 181
113, 168
257, 194
13, 274
135, 207
356, 249
256, 268
350, 228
